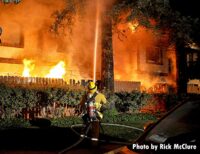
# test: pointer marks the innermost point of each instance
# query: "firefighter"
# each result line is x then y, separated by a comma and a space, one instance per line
92, 105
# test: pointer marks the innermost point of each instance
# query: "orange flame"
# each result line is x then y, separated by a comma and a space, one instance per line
57, 71
133, 26
28, 67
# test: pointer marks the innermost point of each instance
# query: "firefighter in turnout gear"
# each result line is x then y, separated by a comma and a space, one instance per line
92, 105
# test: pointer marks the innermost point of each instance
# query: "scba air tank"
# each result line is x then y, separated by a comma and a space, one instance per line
91, 110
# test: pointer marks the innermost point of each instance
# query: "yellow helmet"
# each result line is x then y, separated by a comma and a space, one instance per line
92, 87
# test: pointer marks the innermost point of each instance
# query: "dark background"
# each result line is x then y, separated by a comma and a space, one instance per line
187, 7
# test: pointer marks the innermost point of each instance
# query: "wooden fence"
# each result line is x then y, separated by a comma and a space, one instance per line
28, 81
40, 82
127, 86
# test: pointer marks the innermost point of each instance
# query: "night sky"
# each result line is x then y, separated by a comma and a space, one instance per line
186, 7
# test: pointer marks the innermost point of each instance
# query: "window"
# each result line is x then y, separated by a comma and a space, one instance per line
11, 35
154, 55
192, 58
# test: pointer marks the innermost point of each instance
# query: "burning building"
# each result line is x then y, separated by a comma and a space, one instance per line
29, 49
144, 56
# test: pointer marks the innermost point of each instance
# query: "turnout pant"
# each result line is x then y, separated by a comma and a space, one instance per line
94, 132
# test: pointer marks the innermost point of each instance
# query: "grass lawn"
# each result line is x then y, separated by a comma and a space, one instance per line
136, 120
129, 134
55, 134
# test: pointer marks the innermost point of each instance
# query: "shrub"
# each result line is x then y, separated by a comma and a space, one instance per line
66, 122
14, 100
13, 123
129, 102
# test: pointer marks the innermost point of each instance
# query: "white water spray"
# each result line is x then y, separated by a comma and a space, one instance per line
96, 41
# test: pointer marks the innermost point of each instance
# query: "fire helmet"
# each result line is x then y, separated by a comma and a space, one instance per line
92, 87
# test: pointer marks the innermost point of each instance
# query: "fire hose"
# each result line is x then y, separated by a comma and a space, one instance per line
78, 142
84, 136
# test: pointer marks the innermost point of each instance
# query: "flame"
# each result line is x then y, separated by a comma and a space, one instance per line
132, 65
57, 71
28, 67
133, 26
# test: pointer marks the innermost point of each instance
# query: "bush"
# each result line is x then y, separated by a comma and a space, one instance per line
14, 100
128, 102
14, 123
66, 122
128, 118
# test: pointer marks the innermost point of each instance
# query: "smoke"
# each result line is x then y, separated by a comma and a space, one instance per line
30, 22
32, 19
84, 37
29, 19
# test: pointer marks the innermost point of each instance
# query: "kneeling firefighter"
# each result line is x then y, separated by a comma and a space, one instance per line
92, 105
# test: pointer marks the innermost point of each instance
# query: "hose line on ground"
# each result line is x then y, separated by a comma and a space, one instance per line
78, 142
105, 124
84, 136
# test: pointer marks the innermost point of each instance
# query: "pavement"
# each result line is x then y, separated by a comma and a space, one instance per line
48, 140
